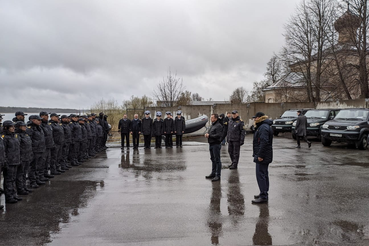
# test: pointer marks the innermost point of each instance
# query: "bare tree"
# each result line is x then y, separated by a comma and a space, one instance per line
196, 97
274, 69
184, 98
239, 95
169, 90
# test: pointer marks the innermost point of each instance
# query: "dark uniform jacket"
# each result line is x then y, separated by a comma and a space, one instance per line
84, 132
146, 126
93, 128
2, 152
76, 132
88, 128
215, 133
67, 131
48, 131
124, 126
263, 141
158, 127
58, 132
168, 126
179, 125
12, 149
136, 125
236, 132
99, 131
38, 138
26, 153
301, 125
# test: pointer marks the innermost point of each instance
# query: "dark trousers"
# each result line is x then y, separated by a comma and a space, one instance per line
168, 140
136, 139
215, 159
125, 136
65, 154
37, 168
299, 138
27, 165
82, 150
92, 146
20, 173
147, 139
262, 177
10, 175
46, 158
179, 140
157, 141
234, 151
55, 158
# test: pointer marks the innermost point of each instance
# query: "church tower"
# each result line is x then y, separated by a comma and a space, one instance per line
347, 26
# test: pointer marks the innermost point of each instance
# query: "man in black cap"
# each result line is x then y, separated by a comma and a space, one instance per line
301, 126
89, 136
235, 137
146, 129
19, 116
2, 162
158, 130
124, 127
168, 130
56, 151
179, 128
263, 154
99, 135
67, 141
37, 135
49, 142
76, 139
136, 131
92, 143
83, 144
214, 137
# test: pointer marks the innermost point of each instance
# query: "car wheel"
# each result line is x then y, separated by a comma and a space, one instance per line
363, 144
326, 142
275, 133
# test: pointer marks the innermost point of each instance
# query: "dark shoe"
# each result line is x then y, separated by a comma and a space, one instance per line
309, 144
22, 193
39, 182
298, 147
256, 196
49, 176
233, 167
34, 186
1, 191
28, 190
11, 201
44, 179
210, 176
259, 201
215, 179
18, 198
55, 173
64, 168
1, 207
74, 164
60, 171
69, 166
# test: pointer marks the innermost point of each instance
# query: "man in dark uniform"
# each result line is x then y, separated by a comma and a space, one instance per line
124, 127
263, 154
19, 116
49, 141
2, 162
158, 130
26, 156
56, 151
301, 125
136, 131
89, 136
107, 130
67, 141
179, 128
12, 161
76, 139
214, 137
146, 129
235, 137
99, 136
92, 124
34, 130
168, 130
83, 143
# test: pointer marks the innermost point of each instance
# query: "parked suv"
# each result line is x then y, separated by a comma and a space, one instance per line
284, 123
349, 125
316, 118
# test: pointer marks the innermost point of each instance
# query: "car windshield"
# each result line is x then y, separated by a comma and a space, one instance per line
289, 114
317, 114
352, 115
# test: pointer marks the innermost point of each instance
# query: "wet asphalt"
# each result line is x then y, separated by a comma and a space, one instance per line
318, 196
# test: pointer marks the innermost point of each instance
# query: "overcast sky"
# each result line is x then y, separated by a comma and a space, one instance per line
72, 53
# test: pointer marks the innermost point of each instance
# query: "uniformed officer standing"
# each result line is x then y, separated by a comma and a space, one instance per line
19, 116
179, 128
67, 141
76, 140
12, 161
26, 156
158, 130
136, 131
146, 129
168, 130
225, 124
2, 161
235, 137
37, 135
92, 124
49, 142
89, 136
124, 127
56, 151
100, 135
83, 143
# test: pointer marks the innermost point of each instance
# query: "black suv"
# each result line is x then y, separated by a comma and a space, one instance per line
350, 125
316, 118
284, 123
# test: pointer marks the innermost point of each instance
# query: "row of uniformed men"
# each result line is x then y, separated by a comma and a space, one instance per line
149, 128
43, 148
